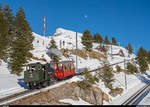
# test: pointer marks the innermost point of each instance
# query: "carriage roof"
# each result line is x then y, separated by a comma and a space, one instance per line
64, 62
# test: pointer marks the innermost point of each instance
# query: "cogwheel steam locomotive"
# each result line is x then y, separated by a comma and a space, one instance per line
39, 75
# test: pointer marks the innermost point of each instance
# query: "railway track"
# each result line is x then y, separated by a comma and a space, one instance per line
26, 93
134, 97
15, 96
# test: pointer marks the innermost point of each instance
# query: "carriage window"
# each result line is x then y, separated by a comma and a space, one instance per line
60, 67
65, 68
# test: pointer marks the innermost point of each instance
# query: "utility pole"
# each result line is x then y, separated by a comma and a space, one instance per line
125, 76
76, 53
111, 50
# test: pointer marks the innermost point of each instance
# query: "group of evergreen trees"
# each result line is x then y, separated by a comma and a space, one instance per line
88, 39
15, 38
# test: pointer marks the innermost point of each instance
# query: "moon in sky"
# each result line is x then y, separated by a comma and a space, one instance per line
85, 16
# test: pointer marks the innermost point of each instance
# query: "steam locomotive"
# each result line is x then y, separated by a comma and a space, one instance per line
39, 75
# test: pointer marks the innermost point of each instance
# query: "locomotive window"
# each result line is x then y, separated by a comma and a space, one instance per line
27, 68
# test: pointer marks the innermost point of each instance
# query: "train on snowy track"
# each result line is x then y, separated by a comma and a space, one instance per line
39, 75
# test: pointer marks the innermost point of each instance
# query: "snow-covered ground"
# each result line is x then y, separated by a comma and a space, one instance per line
10, 83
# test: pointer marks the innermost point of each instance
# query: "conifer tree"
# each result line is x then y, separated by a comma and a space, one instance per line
3, 36
98, 38
22, 44
114, 41
148, 57
107, 76
131, 68
142, 59
129, 48
53, 44
9, 17
106, 41
87, 40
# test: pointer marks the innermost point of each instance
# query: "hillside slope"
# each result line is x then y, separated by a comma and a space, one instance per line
14, 83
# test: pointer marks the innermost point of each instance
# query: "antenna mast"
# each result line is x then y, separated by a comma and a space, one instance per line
44, 31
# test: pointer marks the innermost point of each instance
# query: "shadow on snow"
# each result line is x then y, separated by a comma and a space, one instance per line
21, 83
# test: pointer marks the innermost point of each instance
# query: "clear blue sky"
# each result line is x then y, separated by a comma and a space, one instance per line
126, 20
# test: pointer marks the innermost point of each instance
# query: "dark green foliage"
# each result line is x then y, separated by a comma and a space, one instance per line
88, 80
3, 36
54, 57
142, 59
87, 40
114, 41
118, 68
53, 44
107, 76
83, 84
6, 30
96, 78
129, 48
88, 76
9, 17
131, 68
7, 12
148, 57
98, 38
21, 46
106, 41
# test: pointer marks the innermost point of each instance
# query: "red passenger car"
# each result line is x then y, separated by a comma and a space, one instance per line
63, 69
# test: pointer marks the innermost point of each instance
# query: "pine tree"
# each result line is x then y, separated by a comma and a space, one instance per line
20, 50
54, 57
142, 59
53, 44
114, 41
98, 38
148, 57
3, 36
9, 17
87, 40
131, 68
129, 48
106, 41
107, 76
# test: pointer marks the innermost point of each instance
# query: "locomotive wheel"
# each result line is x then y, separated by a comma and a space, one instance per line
31, 86
44, 84
39, 86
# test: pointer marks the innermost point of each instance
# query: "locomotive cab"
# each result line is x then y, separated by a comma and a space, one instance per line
36, 74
